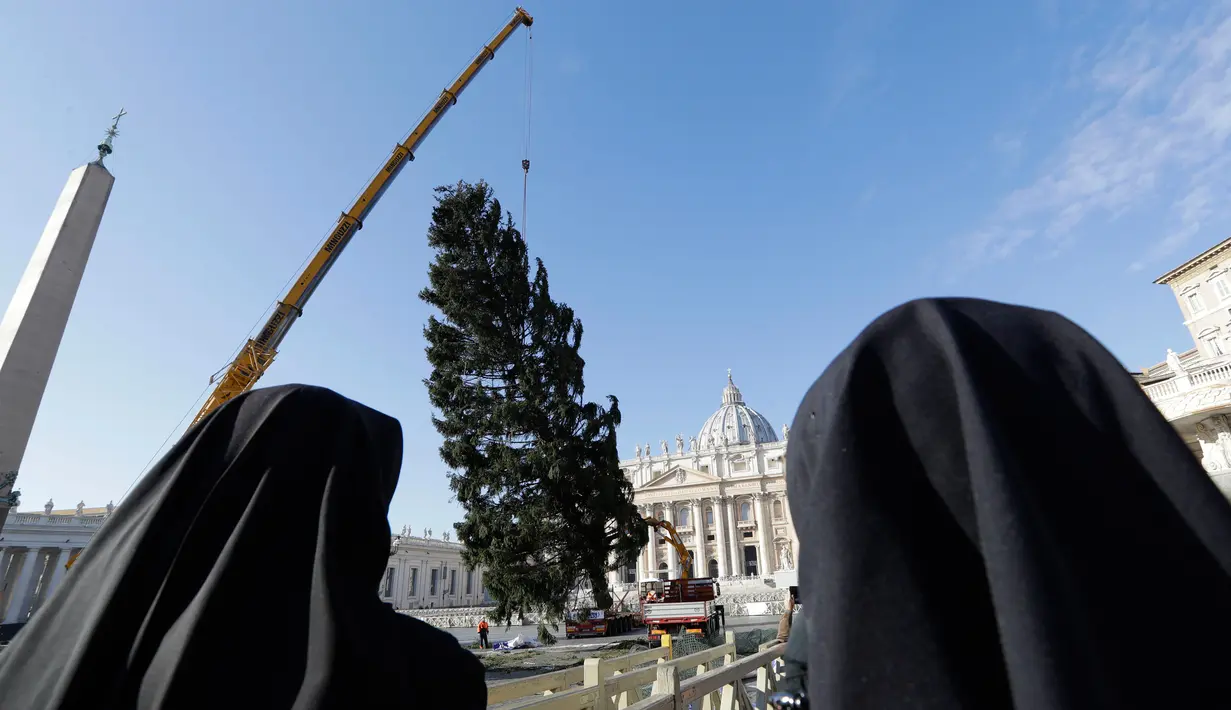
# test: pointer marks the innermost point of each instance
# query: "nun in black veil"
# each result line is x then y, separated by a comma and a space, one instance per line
993, 515
243, 571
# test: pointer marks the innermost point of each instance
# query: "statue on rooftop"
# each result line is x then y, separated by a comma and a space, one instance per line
638, 450
692, 443
110, 507
1173, 363
786, 432
663, 444
81, 508
444, 536
679, 443
49, 505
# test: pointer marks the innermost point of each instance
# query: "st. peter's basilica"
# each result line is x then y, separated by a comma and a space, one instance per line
724, 490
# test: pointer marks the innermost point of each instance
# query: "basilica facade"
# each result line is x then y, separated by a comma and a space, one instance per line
724, 490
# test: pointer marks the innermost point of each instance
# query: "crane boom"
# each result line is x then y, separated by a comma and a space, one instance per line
258, 353
673, 539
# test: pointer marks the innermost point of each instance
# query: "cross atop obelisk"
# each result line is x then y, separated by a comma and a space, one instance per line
104, 148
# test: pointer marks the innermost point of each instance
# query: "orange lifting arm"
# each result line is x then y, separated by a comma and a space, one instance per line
673, 538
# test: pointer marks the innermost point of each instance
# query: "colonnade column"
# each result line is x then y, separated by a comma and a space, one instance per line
10, 562
20, 597
722, 548
700, 565
764, 528
651, 548
733, 540
615, 576
792, 533
673, 562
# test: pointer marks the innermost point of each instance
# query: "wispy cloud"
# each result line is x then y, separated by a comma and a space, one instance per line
1155, 128
849, 53
1009, 146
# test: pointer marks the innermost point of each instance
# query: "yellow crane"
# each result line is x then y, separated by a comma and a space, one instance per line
673, 539
258, 353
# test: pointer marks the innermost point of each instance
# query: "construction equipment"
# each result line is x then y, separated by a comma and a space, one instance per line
258, 353
601, 622
673, 539
680, 606
621, 617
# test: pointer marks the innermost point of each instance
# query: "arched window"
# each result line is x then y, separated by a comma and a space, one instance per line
745, 511
777, 510
709, 515
662, 570
713, 568
682, 517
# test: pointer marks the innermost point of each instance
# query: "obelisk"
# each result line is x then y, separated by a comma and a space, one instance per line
36, 317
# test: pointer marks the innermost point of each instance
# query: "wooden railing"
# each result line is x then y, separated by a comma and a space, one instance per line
719, 689
614, 683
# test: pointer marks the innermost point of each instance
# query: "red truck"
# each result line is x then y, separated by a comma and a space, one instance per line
680, 606
600, 622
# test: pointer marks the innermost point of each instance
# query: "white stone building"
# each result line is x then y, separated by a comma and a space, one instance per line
34, 548
1193, 389
425, 573
725, 495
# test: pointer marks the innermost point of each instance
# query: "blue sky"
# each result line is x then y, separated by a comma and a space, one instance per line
713, 187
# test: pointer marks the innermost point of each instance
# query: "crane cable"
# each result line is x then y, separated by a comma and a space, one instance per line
525, 145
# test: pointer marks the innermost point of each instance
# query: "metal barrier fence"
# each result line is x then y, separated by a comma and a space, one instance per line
747, 641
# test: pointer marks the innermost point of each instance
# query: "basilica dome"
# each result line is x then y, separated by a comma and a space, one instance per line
740, 423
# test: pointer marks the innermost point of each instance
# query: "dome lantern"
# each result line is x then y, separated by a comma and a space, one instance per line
735, 423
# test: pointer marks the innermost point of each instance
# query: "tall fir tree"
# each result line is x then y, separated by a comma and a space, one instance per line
532, 462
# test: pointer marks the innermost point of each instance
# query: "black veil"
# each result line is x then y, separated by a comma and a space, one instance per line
243, 571
992, 514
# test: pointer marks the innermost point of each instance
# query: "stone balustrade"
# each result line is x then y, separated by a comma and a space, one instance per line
1186, 383
457, 618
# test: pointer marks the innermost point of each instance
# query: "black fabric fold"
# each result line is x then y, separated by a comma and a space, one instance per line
992, 514
243, 571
